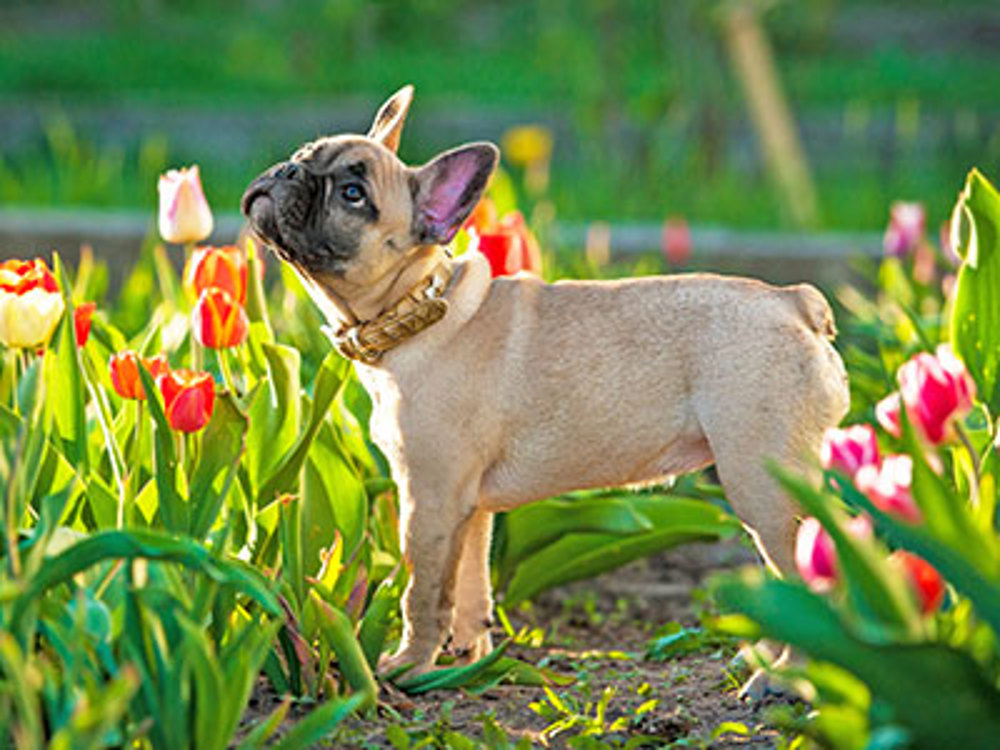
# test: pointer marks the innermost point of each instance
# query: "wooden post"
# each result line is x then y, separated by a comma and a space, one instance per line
753, 62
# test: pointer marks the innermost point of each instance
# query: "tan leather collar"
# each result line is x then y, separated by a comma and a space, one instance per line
421, 307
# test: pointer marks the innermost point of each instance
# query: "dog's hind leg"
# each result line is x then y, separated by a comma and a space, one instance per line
473, 598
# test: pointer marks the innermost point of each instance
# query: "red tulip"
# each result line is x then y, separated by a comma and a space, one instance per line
888, 487
219, 321
849, 449
82, 316
816, 553
906, 229
124, 367
675, 241
925, 582
21, 276
188, 398
508, 244
887, 414
221, 267
935, 390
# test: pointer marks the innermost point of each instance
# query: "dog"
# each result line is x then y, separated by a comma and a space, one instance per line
491, 393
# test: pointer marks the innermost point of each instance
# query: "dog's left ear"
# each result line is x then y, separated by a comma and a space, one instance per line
448, 188
388, 124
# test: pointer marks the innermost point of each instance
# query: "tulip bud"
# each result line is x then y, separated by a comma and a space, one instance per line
184, 213
849, 449
888, 487
935, 390
502, 250
816, 553
221, 267
82, 316
887, 414
188, 398
924, 580
124, 368
906, 229
219, 322
30, 303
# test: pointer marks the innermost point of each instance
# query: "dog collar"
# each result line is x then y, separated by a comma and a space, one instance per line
423, 306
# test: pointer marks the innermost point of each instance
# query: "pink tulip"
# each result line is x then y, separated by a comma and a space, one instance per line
888, 487
935, 390
184, 213
906, 229
849, 449
887, 414
816, 553
675, 241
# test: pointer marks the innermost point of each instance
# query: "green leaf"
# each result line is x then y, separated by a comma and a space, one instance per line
578, 556
285, 478
975, 315
941, 695
319, 723
64, 378
451, 678
339, 634
275, 413
151, 545
222, 445
173, 509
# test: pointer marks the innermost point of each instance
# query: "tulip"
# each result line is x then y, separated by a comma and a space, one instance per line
849, 449
124, 367
221, 267
184, 213
483, 216
218, 320
816, 553
188, 398
675, 241
82, 317
30, 303
502, 251
528, 145
531, 254
508, 245
888, 487
935, 389
924, 580
906, 229
887, 414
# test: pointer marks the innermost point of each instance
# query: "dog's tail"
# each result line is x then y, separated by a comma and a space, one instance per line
814, 309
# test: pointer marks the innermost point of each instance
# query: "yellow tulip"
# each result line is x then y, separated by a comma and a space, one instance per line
27, 320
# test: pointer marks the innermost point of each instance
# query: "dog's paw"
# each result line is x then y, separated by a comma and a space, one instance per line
473, 650
766, 687
405, 663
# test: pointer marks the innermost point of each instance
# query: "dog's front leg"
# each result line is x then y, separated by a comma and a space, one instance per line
433, 525
473, 599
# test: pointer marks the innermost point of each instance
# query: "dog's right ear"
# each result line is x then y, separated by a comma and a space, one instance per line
388, 124
446, 190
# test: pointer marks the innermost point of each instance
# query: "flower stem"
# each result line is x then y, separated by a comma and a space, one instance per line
227, 373
963, 436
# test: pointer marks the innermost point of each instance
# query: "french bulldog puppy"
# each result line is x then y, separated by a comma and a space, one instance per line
492, 393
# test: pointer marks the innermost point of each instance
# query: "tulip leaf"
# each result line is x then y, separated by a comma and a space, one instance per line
582, 555
173, 509
275, 413
331, 376
975, 315
940, 695
63, 373
338, 631
222, 444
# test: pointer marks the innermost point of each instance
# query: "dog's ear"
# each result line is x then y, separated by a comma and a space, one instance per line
448, 188
388, 124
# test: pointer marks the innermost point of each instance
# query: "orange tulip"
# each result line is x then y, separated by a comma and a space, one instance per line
82, 317
188, 398
218, 320
124, 367
221, 267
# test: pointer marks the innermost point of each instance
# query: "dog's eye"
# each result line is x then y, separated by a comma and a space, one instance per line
353, 193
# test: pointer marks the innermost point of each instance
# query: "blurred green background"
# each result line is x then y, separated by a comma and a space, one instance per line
892, 98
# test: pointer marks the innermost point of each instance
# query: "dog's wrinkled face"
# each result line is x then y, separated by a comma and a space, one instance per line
346, 208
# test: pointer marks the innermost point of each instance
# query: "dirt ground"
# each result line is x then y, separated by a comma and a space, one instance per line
596, 632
